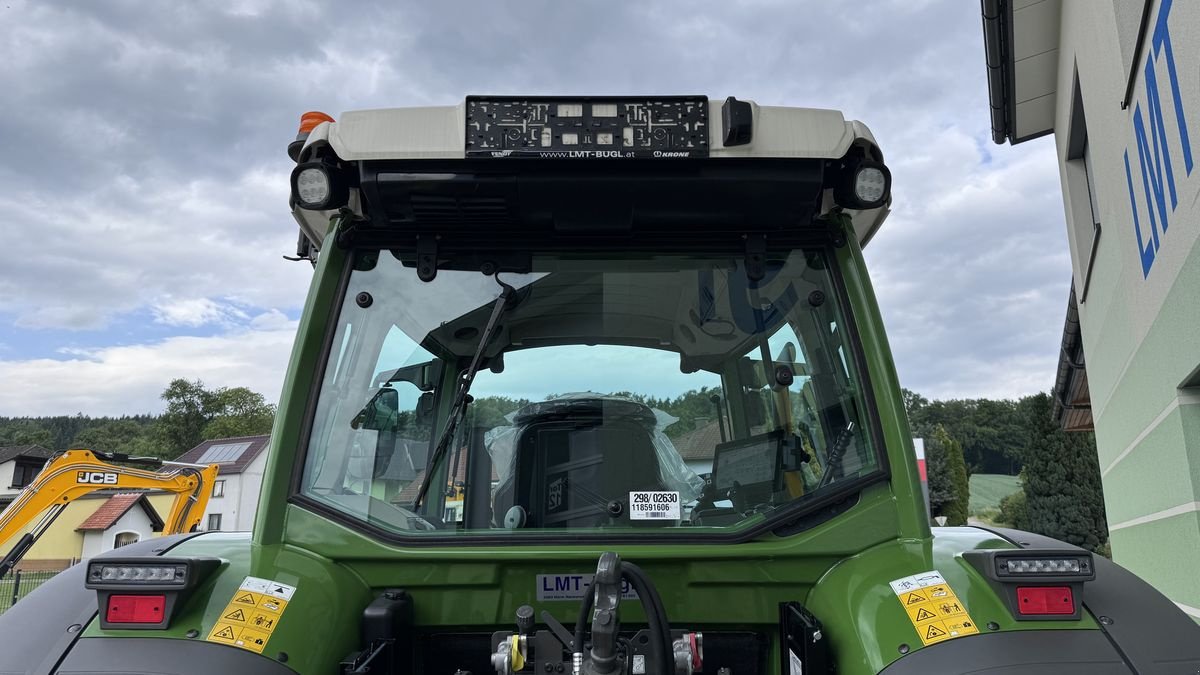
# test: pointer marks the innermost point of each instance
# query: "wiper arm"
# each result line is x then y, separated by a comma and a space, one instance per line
462, 398
833, 459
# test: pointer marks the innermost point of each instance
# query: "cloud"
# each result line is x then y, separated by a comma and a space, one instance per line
145, 173
128, 379
195, 312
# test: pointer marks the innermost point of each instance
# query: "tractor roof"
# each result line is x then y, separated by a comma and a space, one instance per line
439, 134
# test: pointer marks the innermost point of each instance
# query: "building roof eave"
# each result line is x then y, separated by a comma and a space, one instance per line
1072, 401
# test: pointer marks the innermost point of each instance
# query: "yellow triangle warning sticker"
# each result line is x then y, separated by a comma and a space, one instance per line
245, 599
934, 632
922, 614
914, 598
225, 633
236, 615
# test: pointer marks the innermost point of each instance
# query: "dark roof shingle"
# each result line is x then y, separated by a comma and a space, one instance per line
11, 452
699, 443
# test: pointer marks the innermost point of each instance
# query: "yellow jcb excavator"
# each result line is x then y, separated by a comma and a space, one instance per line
75, 473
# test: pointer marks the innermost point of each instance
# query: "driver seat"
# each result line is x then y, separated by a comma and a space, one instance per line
578, 473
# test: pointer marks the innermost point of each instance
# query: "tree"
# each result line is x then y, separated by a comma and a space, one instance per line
937, 473
951, 479
196, 414
26, 432
189, 410
1063, 493
1013, 511
114, 436
990, 431
238, 412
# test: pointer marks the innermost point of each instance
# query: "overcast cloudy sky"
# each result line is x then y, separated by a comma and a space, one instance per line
143, 180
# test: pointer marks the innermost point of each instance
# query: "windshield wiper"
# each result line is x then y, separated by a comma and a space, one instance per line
837, 451
462, 397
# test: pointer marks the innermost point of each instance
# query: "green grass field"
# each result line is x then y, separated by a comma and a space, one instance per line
987, 489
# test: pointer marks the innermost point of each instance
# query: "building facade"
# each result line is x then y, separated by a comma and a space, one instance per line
1117, 83
18, 466
94, 524
234, 499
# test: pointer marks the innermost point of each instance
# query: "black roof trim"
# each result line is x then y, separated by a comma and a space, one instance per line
997, 41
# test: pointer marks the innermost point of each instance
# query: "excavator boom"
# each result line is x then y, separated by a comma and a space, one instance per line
75, 473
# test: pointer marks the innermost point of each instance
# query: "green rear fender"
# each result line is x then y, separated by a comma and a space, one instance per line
318, 627
866, 622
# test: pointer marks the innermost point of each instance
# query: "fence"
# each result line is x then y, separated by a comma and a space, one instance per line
17, 585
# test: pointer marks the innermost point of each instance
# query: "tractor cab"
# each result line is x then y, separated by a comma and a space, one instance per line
597, 386
593, 324
561, 397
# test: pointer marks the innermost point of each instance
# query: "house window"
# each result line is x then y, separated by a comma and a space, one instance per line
125, 539
24, 473
1082, 195
218, 488
214, 521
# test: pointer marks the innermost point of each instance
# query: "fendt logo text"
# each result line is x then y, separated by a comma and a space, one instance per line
96, 477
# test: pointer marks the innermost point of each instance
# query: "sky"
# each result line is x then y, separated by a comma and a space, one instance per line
144, 176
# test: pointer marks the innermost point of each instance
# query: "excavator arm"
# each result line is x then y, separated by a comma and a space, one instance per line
75, 473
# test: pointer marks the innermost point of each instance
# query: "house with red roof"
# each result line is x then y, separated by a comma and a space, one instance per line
94, 524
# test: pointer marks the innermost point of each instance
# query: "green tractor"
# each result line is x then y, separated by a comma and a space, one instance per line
593, 386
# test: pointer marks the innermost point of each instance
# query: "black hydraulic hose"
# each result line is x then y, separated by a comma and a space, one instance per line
656, 615
585, 608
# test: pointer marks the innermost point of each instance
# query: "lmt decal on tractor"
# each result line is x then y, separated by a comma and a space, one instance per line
593, 385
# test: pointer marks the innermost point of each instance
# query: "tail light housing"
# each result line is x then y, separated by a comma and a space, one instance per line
144, 593
1037, 584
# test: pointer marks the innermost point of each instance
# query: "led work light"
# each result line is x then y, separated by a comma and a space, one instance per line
864, 184
319, 186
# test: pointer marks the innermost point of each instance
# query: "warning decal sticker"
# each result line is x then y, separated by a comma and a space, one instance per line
935, 611
252, 614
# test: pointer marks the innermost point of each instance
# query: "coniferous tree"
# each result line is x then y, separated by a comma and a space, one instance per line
956, 474
1063, 494
937, 475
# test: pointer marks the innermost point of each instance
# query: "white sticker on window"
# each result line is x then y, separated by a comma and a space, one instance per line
654, 506
797, 668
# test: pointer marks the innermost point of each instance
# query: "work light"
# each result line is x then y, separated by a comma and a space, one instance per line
864, 184
319, 186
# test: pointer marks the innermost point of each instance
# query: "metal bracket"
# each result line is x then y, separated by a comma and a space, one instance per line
756, 257
427, 257
345, 228
838, 223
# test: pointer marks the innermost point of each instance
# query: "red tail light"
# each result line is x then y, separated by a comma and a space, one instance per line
135, 608
1045, 600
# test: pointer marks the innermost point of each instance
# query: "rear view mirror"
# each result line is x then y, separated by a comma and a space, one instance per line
424, 408
382, 412
423, 376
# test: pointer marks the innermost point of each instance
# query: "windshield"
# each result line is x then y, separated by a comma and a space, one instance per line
632, 393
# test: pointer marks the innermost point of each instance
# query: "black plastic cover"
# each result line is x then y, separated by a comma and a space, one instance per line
737, 122
1139, 622
803, 641
1042, 652
157, 656
48, 621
